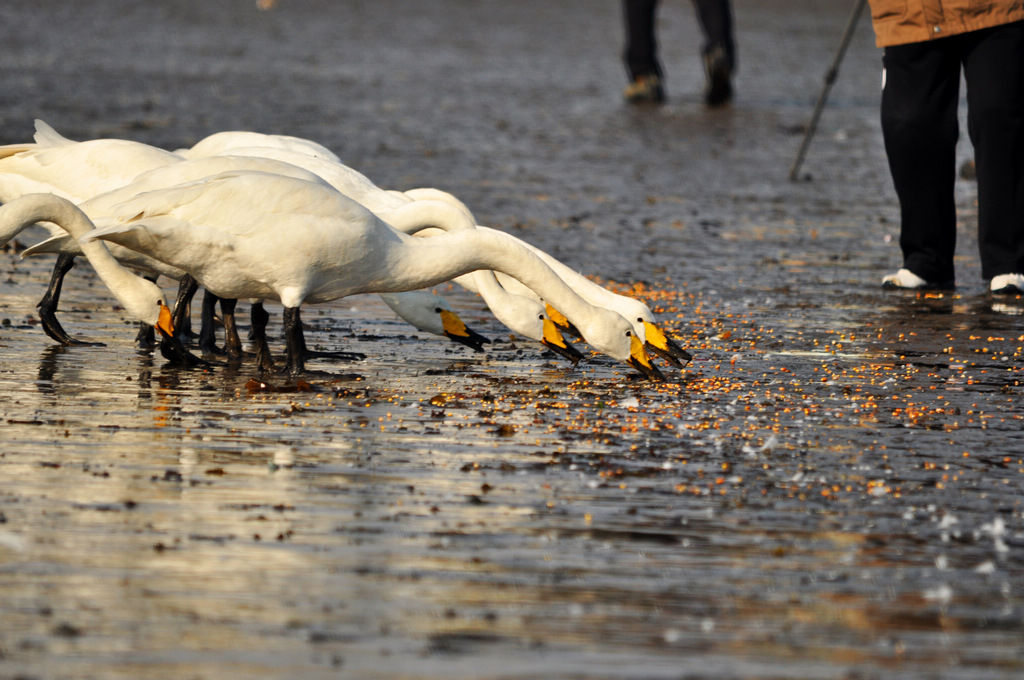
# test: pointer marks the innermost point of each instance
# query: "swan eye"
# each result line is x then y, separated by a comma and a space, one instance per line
437, 310
629, 333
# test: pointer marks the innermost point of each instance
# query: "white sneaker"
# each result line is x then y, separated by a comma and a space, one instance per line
905, 279
1007, 284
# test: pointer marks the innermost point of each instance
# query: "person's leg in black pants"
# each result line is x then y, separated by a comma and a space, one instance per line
919, 126
715, 17
994, 73
641, 55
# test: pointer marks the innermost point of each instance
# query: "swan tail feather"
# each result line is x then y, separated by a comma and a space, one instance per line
47, 137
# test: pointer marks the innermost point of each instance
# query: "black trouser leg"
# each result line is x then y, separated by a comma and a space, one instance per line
715, 17
919, 125
994, 73
641, 53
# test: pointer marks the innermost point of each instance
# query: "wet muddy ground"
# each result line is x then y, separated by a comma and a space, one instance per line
831, 489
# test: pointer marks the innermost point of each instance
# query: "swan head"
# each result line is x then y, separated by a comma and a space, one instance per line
432, 314
455, 329
552, 338
657, 342
613, 335
148, 304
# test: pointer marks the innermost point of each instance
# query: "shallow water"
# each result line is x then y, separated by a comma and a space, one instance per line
831, 489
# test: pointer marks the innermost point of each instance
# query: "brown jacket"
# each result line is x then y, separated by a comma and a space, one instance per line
898, 22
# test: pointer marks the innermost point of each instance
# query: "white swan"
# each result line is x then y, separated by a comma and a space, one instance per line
524, 316
141, 298
254, 235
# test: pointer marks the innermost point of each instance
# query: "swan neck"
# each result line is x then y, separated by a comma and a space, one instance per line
27, 210
424, 214
441, 258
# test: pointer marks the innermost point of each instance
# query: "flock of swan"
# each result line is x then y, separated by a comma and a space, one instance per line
260, 217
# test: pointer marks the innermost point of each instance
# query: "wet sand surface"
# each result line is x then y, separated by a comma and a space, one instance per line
831, 489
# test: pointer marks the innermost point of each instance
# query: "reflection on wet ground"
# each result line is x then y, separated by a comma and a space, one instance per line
831, 489
808, 498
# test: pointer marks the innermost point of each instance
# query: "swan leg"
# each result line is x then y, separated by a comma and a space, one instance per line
187, 288
48, 305
295, 343
309, 353
297, 352
258, 335
232, 343
207, 334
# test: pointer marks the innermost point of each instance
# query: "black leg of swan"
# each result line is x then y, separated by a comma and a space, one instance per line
187, 288
295, 343
207, 334
310, 354
232, 343
297, 352
258, 336
48, 305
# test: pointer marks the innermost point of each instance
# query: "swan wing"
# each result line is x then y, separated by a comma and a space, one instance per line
347, 180
53, 245
8, 150
84, 169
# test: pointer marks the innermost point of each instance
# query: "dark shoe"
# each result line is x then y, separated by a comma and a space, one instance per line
719, 78
645, 90
905, 279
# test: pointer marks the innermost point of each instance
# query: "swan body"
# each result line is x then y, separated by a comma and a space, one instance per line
254, 235
141, 298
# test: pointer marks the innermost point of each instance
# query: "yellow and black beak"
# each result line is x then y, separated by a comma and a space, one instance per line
639, 360
164, 324
559, 320
662, 345
456, 330
554, 341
